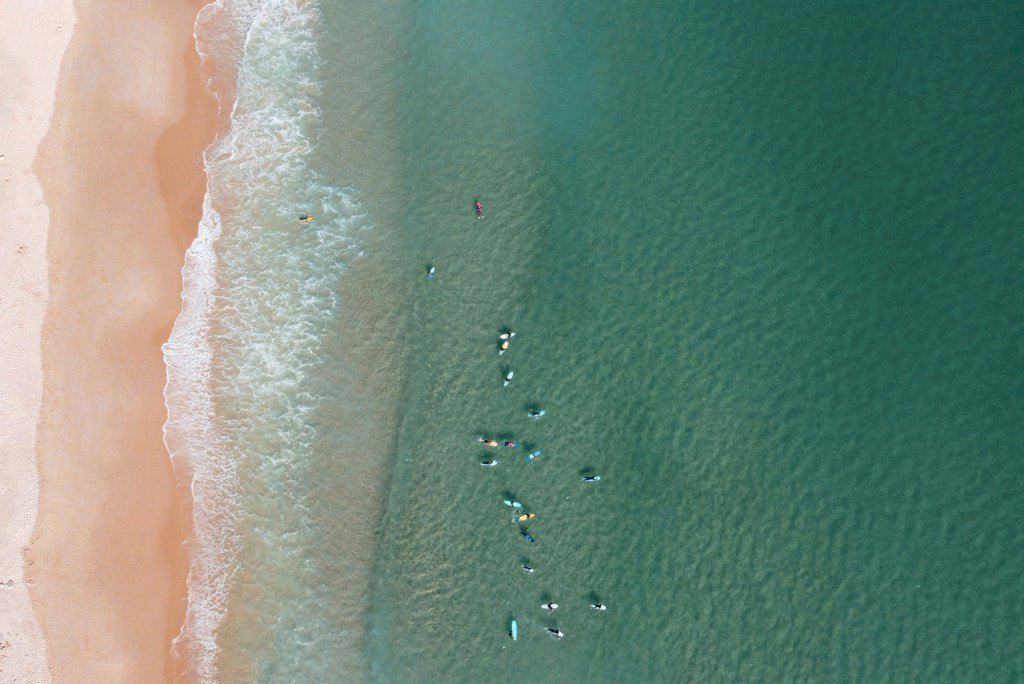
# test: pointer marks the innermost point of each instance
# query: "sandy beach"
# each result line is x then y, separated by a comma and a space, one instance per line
33, 36
96, 290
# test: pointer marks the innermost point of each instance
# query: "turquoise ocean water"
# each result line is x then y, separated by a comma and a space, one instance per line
765, 264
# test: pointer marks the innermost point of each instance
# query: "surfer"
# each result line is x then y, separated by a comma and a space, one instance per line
514, 504
527, 568
527, 516
549, 606
557, 633
506, 335
598, 606
305, 218
536, 414
510, 443
591, 478
430, 272
489, 463
503, 347
488, 442
479, 209
532, 455
508, 378
527, 536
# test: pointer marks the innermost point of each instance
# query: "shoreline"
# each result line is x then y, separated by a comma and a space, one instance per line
34, 36
121, 171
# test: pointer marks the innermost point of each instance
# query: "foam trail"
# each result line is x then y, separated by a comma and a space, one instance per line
259, 289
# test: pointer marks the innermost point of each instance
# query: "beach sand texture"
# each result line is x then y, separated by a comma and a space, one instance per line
121, 173
33, 36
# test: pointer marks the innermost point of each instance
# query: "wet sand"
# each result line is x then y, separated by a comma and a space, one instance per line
121, 172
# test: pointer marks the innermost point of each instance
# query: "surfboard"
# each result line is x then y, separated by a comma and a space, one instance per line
514, 633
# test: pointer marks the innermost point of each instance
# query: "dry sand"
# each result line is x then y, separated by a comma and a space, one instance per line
33, 36
121, 173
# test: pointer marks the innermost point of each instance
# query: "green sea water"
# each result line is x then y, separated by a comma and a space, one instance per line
765, 267
765, 263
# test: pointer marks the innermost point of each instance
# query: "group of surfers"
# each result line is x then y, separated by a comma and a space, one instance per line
519, 515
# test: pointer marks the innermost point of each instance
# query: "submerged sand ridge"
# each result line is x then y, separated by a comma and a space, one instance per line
121, 171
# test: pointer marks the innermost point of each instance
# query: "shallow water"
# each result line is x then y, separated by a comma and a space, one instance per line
764, 266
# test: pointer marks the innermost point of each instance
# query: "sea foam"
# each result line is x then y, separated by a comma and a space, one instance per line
259, 289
